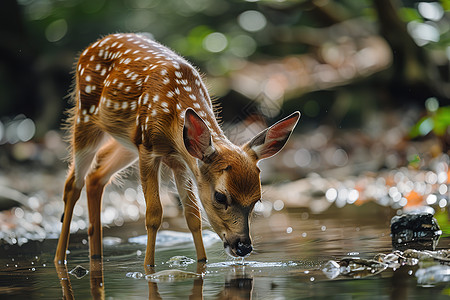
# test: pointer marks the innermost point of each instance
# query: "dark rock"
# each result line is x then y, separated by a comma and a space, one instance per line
415, 231
79, 272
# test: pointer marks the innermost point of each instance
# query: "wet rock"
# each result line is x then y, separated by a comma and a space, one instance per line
180, 261
433, 275
353, 267
331, 269
135, 275
171, 275
359, 268
392, 260
79, 272
442, 256
417, 231
111, 241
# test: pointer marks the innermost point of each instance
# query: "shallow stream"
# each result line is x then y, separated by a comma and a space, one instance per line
291, 261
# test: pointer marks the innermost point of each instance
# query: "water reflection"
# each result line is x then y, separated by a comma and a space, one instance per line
96, 279
237, 287
238, 283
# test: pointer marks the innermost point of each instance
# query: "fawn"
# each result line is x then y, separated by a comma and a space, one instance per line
138, 100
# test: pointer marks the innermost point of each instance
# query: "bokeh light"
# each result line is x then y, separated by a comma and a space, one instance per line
252, 20
20, 129
215, 42
431, 10
243, 45
56, 30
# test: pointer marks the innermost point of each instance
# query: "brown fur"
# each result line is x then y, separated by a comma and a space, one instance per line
131, 97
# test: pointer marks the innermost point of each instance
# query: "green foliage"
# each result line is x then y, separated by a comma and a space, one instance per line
437, 120
414, 161
408, 14
445, 4
443, 221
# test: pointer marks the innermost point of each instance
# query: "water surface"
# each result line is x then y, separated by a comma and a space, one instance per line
291, 248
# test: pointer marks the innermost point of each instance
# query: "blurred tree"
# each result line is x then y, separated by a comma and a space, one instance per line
18, 84
413, 77
330, 45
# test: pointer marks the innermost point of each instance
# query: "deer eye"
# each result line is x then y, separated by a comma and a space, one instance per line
220, 198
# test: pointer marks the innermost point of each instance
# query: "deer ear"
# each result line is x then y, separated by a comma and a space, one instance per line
271, 140
196, 136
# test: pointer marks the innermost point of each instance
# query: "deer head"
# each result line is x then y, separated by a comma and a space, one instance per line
228, 176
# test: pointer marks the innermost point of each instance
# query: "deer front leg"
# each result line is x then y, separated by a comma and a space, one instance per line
191, 212
149, 170
71, 195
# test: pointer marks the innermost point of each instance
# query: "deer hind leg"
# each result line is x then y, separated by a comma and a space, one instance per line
191, 209
83, 154
110, 159
149, 168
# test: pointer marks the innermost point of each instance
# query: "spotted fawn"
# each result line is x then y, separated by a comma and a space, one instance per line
136, 100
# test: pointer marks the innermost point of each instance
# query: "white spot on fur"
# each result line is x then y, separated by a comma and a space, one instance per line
92, 109
146, 96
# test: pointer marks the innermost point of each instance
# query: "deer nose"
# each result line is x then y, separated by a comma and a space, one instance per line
243, 249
